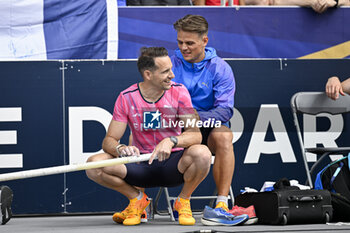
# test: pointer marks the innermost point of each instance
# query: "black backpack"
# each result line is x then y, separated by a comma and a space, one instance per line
335, 177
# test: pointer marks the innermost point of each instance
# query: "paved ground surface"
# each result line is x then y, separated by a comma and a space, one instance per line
104, 224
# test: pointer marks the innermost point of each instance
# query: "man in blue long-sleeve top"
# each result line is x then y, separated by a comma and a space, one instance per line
210, 81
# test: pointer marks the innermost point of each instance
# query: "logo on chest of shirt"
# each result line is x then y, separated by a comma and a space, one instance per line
155, 120
152, 120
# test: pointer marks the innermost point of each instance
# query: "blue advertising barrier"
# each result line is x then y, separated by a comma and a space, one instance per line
242, 32
56, 112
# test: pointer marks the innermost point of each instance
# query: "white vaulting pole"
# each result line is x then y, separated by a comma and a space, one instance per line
72, 167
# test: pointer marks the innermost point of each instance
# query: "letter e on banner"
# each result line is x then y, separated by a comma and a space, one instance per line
9, 137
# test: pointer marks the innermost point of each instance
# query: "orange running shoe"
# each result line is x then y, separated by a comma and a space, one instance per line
119, 217
183, 207
132, 213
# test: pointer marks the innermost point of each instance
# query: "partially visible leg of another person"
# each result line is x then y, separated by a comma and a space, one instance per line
220, 144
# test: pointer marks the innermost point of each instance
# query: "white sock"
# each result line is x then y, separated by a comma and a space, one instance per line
223, 199
140, 196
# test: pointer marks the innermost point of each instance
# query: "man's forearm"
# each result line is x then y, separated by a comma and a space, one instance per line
109, 146
189, 138
191, 134
344, 3
346, 86
303, 3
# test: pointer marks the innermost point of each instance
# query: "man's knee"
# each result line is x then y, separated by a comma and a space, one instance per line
201, 154
94, 174
221, 139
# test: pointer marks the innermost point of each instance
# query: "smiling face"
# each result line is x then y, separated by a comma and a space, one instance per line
162, 75
192, 45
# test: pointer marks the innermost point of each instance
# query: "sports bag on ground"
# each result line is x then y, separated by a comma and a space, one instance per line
335, 177
289, 205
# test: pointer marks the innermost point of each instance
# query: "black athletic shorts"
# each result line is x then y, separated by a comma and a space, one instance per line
206, 131
205, 134
158, 174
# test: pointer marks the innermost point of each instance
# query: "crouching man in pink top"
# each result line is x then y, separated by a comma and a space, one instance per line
160, 115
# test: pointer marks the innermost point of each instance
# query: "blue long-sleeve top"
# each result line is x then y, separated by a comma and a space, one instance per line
210, 82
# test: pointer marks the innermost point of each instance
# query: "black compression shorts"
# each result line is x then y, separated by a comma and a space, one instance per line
158, 174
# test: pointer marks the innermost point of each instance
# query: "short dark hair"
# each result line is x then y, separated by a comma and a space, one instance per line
192, 23
146, 58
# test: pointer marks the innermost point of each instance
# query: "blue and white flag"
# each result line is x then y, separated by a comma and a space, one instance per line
57, 29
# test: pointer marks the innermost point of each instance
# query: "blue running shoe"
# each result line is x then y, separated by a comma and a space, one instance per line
219, 217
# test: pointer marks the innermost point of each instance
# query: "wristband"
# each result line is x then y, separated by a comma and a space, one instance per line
117, 148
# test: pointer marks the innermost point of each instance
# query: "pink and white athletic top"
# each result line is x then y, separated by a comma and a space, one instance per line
151, 122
